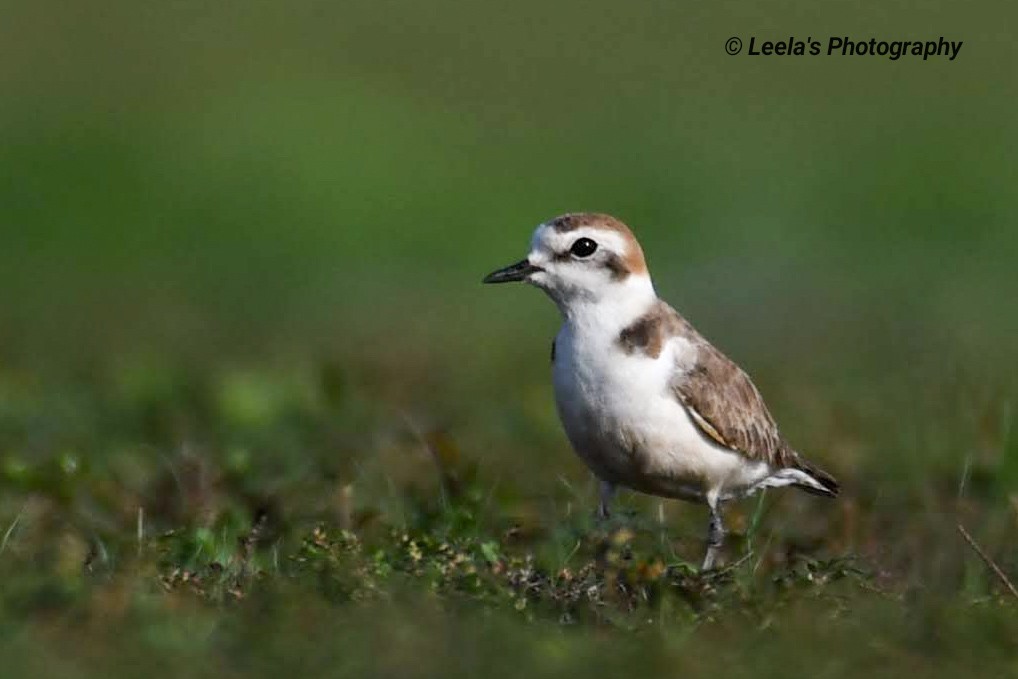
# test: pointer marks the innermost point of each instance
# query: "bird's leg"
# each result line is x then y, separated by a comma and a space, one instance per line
715, 536
604, 506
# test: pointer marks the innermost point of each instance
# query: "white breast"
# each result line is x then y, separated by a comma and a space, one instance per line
623, 420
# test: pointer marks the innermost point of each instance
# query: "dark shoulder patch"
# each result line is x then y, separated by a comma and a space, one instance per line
553, 351
644, 335
649, 333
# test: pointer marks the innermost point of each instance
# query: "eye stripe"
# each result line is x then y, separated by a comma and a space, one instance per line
617, 266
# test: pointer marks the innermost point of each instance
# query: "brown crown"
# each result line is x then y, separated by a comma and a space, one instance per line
630, 263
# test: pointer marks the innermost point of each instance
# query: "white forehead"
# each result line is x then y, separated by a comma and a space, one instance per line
547, 238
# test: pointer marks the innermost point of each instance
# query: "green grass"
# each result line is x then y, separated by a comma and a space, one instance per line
258, 416
237, 523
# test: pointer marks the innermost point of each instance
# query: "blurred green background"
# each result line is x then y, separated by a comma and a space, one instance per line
257, 230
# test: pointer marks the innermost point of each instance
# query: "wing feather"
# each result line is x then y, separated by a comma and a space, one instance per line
719, 397
725, 404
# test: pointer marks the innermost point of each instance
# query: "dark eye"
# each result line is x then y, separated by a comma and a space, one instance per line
584, 247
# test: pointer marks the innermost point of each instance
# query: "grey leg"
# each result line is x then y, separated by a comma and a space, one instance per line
604, 506
715, 537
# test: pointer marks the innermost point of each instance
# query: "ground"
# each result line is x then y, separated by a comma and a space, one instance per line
399, 552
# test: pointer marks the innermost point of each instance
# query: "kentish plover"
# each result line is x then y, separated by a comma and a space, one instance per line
646, 401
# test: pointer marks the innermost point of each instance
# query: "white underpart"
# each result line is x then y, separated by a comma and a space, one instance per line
618, 409
624, 421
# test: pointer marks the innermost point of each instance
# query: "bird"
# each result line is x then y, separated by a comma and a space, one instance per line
645, 400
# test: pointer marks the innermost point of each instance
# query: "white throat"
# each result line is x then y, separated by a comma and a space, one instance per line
616, 308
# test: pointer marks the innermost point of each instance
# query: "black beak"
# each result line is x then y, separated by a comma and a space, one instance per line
514, 272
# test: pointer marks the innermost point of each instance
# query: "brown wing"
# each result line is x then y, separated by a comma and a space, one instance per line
719, 397
726, 406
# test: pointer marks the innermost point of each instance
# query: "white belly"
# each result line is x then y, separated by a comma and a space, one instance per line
623, 420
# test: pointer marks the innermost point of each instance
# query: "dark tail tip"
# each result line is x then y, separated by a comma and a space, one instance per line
829, 486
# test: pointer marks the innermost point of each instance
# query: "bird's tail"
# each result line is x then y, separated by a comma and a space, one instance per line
822, 483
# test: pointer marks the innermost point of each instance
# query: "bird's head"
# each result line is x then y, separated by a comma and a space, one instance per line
581, 259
